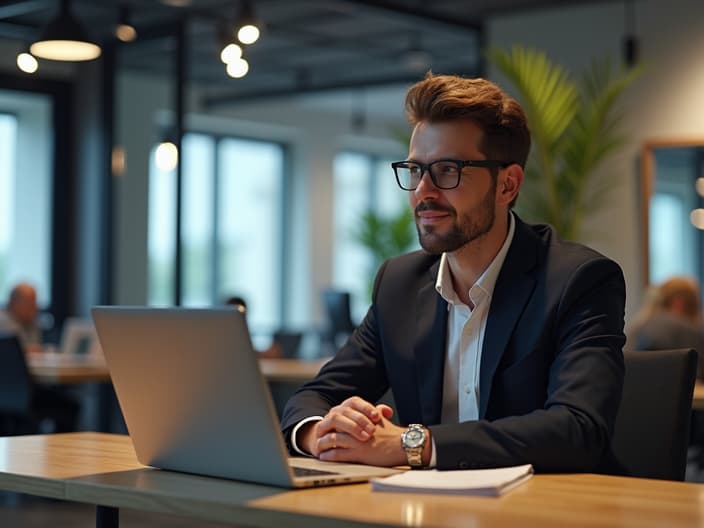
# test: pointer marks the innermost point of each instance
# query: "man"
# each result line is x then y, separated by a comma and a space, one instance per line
501, 343
671, 318
20, 317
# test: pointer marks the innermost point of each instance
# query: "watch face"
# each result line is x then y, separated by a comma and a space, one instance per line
414, 438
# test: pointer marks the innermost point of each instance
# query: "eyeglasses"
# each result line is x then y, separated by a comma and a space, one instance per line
445, 173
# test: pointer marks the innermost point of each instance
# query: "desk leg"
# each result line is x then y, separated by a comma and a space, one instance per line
107, 517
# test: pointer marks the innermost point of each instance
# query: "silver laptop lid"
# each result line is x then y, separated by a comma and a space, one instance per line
191, 392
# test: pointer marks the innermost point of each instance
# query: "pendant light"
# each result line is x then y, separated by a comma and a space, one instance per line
64, 39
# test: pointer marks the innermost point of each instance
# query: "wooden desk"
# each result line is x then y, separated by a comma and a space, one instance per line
698, 398
101, 469
50, 368
53, 368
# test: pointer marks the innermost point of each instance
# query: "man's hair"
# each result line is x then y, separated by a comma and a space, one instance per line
440, 98
682, 289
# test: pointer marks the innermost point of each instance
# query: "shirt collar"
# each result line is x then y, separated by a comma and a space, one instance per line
484, 287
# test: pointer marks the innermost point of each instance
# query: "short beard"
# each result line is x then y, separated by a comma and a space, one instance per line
466, 228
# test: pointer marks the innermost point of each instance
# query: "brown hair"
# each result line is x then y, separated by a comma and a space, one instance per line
440, 98
682, 291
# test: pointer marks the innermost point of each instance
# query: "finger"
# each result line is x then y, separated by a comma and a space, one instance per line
335, 440
386, 411
363, 407
346, 421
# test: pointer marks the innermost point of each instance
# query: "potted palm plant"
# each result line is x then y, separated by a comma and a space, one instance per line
574, 126
384, 236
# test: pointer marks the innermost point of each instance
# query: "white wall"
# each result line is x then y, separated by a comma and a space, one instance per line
667, 102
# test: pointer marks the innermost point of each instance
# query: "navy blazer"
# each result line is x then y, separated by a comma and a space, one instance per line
551, 371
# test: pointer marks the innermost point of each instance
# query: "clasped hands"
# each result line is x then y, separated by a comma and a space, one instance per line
355, 431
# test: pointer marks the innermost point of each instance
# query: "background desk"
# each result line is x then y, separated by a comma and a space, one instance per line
698, 398
51, 368
284, 377
101, 469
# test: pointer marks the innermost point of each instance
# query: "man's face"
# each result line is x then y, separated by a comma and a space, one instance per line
24, 308
448, 219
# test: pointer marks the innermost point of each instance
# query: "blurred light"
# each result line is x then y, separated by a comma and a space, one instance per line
27, 63
64, 39
247, 26
699, 186
697, 218
119, 161
166, 156
248, 34
231, 53
238, 68
126, 33
124, 30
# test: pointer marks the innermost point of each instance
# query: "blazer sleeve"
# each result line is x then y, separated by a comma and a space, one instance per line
357, 369
572, 431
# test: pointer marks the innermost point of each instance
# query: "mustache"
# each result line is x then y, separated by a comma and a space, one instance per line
432, 206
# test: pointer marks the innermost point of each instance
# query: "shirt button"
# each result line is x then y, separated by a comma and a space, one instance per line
468, 390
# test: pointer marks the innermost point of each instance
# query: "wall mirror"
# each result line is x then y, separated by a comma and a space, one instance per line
673, 209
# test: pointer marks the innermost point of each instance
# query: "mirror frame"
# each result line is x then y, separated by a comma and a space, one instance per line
648, 185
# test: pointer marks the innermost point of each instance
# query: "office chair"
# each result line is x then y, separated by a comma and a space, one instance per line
23, 406
337, 309
290, 343
652, 426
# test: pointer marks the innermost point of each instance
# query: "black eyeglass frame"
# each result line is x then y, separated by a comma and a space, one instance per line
461, 164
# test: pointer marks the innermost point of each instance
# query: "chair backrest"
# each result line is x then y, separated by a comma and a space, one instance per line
290, 342
15, 380
337, 307
652, 427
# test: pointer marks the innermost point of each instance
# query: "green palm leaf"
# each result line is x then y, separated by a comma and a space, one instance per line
574, 128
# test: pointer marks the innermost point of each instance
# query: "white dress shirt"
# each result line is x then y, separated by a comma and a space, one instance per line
465, 337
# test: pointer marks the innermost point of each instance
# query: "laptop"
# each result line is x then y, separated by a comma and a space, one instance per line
194, 400
79, 338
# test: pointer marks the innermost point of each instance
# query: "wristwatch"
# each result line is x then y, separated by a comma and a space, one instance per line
412, 441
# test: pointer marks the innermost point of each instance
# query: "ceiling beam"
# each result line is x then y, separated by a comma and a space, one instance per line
13, 9
209, 102
417, 14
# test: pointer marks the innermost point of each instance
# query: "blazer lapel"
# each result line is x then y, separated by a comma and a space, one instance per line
511, 293
429, 350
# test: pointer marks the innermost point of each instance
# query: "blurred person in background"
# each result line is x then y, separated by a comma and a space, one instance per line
20, 317
671, 317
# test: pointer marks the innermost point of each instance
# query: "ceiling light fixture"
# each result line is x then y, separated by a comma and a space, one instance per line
238, 68
124, 30
231, 53
247, 27
27, 62
64, 39
630, 41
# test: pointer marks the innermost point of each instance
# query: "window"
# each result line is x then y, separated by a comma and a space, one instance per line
362, 183
231, 231
26, 152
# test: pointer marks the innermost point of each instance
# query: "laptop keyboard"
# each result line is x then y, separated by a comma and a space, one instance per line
307, 472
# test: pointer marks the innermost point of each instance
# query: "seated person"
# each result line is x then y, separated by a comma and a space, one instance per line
502, 343
20, 317
671, 317
274, 350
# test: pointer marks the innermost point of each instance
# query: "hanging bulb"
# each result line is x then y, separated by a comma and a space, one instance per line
248, 31
238, 68
124, 30
166, 156
231, 53
26, 62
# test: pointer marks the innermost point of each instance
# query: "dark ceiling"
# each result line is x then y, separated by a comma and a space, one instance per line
306, 45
